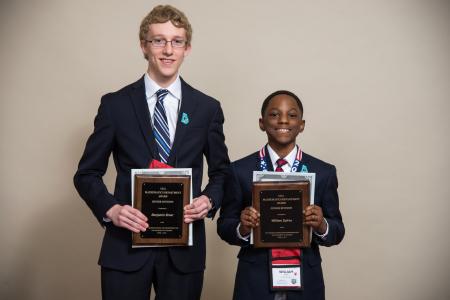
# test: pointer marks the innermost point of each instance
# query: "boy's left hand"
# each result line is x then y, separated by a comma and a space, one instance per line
197, 210
314, 218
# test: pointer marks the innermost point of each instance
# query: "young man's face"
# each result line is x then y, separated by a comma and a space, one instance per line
282, 121
164, 62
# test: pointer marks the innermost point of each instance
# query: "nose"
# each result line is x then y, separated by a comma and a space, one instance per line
283, 119
168, 50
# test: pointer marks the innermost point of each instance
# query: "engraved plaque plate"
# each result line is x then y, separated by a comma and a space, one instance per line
281, 206
161, 198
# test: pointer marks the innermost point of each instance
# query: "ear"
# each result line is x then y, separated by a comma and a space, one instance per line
187, 51
261, 124
143, 47
302, 126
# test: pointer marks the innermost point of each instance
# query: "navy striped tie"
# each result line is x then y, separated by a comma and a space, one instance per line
161, 127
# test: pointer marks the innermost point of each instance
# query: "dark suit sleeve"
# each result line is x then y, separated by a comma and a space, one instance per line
94, 162
330, 208
216, 154
230, 211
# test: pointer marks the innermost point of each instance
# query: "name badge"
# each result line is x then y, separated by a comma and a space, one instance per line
286, 278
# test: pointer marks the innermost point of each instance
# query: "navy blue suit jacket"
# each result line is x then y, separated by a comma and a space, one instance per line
238, 195
123, 128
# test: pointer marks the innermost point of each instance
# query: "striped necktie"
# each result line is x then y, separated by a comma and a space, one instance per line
161, 126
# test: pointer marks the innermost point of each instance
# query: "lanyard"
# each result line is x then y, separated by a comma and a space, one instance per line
284, 264
295, 165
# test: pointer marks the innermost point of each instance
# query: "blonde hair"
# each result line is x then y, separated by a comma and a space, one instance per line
162, 14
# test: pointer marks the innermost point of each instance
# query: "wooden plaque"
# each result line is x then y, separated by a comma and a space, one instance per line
161, 198
281, 206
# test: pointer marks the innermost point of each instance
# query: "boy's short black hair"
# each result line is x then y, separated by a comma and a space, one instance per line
280, 92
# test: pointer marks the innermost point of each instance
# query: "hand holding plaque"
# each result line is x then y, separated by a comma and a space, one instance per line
314, 218
127, 217
249, 219
197, 210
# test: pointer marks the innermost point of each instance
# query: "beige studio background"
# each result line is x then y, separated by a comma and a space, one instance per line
374, 78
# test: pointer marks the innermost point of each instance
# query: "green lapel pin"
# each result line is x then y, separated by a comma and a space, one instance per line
184, 118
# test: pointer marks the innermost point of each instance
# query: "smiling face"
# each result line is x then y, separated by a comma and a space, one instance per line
164, 63
282, 121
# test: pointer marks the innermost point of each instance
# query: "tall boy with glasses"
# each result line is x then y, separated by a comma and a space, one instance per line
159, 117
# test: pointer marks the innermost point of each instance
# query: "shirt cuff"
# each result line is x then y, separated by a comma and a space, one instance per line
106, 220
323, 236
244, 238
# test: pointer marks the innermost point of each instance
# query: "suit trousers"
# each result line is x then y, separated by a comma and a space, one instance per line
168, 282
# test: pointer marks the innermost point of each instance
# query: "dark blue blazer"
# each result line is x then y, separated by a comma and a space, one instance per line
253, 263
123, 128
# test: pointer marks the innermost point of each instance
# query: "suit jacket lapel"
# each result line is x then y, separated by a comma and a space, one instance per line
138, 98
187, 108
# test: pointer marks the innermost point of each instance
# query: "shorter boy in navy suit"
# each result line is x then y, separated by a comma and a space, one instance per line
282, 120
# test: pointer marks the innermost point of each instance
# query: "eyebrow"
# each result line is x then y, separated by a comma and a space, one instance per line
161, 36
289, 110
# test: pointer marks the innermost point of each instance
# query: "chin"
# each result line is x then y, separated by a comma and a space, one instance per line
169, 74
166, 76
284, 141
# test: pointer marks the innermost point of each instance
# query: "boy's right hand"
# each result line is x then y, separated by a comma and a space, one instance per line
127, 217
249, 220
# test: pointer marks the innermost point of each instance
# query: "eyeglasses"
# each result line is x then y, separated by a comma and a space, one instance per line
160, 43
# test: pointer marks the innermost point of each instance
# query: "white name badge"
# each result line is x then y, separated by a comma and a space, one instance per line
286, 278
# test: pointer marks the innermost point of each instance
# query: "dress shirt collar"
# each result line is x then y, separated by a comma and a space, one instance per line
151, 87
290, 158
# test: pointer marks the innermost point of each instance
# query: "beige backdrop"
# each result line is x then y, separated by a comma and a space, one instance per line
374, 78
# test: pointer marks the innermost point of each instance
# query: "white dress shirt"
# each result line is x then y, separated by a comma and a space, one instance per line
290, 158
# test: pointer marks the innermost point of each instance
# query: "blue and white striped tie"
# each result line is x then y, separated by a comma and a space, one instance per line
161, 127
